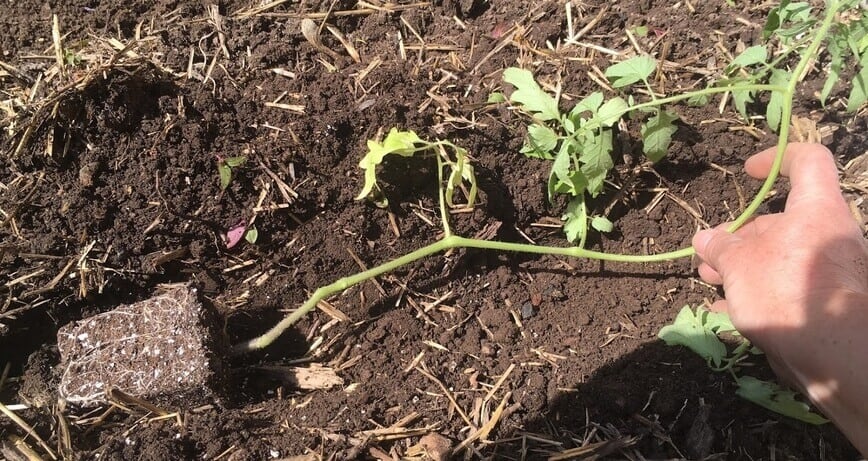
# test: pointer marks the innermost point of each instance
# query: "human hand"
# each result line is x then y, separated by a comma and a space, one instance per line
796, 285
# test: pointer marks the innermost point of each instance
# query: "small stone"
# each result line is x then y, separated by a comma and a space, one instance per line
436, 446
527, 311
535, 299
86, 173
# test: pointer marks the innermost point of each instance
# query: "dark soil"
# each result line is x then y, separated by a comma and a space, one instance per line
116, 191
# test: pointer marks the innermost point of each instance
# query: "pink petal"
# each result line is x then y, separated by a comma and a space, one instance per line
235, 234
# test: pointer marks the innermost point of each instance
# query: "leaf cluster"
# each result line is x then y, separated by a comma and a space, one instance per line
580, 142
787, 29
699, 330
407, 144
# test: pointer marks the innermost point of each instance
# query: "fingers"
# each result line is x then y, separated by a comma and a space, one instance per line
720, 306
709, 275
759, 165
714, 247
812, 172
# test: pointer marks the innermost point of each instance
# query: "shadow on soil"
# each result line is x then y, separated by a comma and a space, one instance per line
664, 403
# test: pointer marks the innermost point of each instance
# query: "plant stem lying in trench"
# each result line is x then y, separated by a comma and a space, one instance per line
450, 241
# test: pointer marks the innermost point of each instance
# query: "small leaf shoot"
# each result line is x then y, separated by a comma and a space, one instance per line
691, 329
251, 235
602, 224
657, 135
576, 219
635, 69
224, 169
529, 94
408, 143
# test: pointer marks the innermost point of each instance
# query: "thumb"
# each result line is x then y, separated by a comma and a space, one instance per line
715, 247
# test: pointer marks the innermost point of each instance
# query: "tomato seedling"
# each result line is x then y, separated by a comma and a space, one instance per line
224, 169
700, 330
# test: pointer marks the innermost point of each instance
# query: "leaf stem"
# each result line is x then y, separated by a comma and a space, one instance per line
444, 215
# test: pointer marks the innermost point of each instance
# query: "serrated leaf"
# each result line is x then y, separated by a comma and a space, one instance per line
799, 13
540, 142
836, 65
251, 235
596, 160
773, 21
602, 224
575, 219
859, 92
690, 330
719, 322
610, 112
233, 162
657, 135
529, 94
225, 175
633, 70
772, 397
753, 55
590, 103
775, 107
560, 173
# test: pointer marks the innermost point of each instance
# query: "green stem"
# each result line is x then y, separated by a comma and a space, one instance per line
707, 92
444, 244
444, 213
786, 116
450, 241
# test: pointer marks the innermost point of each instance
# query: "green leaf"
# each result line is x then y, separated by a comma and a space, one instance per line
233, 162
641, 31
633, 70
397, 142
590, 103
719, 322
563, 178
496, 98
575, 219
741, 98
798, 13
692, 331
596, 160
772, 397
859, 92
775, 107
657, 135
541, 141
602, 224
225, 175
610, 112
251, 235
836, 64
529, 94
753, 55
